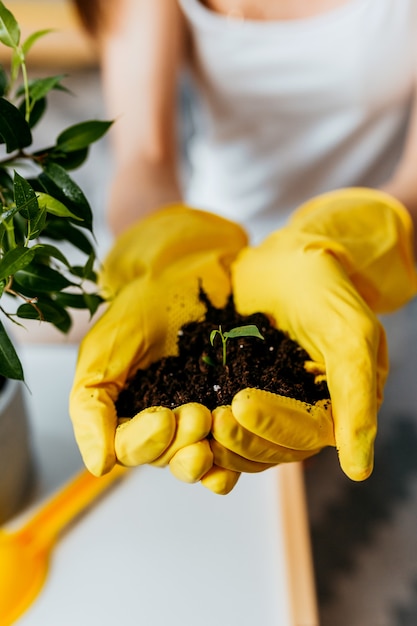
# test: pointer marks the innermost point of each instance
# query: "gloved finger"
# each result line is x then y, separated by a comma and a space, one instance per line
382, 366
94, 421
104, 361
356, 378
220, 480
165, 239
339, 329
374, 243
230, 460
192, 462
193, 423
136, 330
143, 438
249, 446
284, 421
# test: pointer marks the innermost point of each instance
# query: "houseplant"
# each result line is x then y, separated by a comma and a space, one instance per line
41, 207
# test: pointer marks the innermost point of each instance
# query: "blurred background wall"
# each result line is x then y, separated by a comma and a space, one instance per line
66, 47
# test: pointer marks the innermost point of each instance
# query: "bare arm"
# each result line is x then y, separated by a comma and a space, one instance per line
403, 183
141, 46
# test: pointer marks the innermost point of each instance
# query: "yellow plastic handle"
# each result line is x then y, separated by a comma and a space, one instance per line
46, 525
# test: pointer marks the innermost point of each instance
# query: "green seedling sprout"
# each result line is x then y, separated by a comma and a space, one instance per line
249, 330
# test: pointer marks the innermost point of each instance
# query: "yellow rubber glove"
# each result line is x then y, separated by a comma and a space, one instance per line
344, 257
276, 430
153, 272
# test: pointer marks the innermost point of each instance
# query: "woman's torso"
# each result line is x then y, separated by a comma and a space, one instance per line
272, 9
290, 108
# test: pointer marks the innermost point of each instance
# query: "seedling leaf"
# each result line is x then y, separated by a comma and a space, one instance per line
244, 331
213, 335
249, 330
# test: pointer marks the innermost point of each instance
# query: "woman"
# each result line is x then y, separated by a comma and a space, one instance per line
294, 99
290, 100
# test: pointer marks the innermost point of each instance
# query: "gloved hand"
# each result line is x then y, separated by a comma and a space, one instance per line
153, 273
344, 257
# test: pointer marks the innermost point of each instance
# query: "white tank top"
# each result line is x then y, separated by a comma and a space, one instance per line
290, 109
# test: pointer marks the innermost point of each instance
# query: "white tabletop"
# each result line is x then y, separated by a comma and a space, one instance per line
155, 551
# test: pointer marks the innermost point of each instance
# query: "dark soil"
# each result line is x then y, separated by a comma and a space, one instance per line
274, 364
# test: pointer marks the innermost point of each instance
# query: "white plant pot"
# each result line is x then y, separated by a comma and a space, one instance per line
16, 458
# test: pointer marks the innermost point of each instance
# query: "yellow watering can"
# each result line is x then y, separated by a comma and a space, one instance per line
24, 554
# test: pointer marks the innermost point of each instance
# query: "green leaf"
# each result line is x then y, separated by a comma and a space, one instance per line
209, 361
14, 129
20, 231
36, 113
10, 365
9, 28
6, 215
54, 206
38, 278
82, 135
80, 272
71, 300
61, 230
56, 181
44, 250
37, 224
249, 330
15, 260
17, 62
90, 301
6, 181
4, 81
40, 87
46, 310
33, 38
89, 266
67, 160
244, 331
25, 197
213, 335
93, 301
